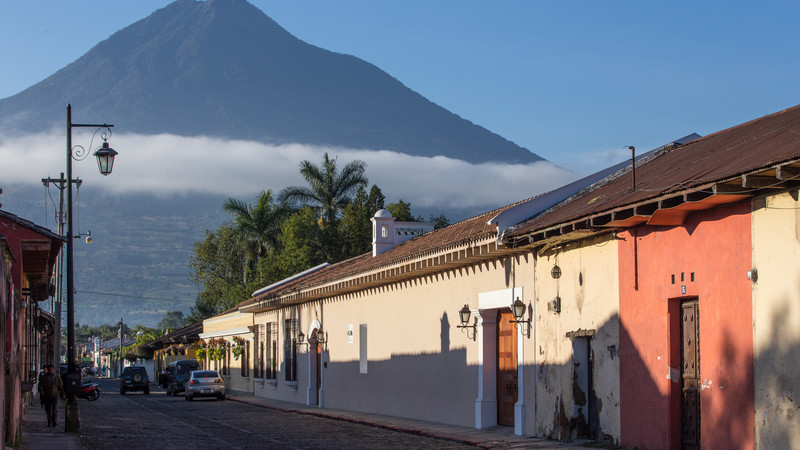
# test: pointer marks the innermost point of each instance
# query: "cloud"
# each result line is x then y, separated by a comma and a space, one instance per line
169, 164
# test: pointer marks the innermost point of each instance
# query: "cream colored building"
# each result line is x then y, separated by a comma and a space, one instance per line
236, 371
776, 316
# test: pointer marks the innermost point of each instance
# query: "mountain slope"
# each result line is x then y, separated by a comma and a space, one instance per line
223, 68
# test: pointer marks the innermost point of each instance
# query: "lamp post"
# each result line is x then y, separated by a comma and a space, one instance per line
105, 161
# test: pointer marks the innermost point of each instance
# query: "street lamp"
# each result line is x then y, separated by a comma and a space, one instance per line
105, 162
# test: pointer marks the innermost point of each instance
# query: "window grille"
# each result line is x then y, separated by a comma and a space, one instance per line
271, 359
290, 349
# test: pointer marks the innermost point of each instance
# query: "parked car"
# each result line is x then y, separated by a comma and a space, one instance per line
205, 383
134, 378
178, 373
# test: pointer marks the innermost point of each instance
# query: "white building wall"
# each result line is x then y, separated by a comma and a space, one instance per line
776, 315
419, 364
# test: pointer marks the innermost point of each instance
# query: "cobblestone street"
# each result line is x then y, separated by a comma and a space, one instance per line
136, 420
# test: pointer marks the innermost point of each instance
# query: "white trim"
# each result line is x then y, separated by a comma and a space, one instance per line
228, 332
502, 298
288, 279
225, 317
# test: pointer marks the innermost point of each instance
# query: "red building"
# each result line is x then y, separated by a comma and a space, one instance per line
29, 253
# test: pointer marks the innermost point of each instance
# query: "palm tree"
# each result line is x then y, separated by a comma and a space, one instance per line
328, 190
257, 226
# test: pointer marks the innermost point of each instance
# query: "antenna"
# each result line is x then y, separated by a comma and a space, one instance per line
633, 163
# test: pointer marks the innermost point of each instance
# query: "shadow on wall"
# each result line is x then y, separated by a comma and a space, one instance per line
777, 400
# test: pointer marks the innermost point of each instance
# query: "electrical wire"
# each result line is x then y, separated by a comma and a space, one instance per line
111, 294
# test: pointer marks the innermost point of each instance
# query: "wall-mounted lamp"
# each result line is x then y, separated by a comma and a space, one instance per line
301, 338
554, 304
518, 309
464, 315
555, 272
752, 275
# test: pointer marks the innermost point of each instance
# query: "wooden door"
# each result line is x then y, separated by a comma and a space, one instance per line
506, 368
690, 375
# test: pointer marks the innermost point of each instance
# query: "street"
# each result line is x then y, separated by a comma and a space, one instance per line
135, 420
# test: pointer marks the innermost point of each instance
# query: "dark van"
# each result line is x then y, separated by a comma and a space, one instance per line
178, 374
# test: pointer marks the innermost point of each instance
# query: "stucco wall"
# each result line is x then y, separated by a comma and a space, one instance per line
589, 292
419, 363
225, 326
776, 311
715, 247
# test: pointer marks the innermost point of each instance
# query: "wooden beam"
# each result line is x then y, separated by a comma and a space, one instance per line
787, 172
759, 182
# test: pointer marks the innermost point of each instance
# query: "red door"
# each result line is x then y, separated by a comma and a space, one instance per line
506, 368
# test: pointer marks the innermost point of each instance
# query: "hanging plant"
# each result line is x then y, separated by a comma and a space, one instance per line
238, 340
218, 353
237, 351
201, 354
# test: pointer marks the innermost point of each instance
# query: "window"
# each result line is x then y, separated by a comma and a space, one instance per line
271, 359
384, 231
246, 359
362, 348
290, 349
258, 366
226, 364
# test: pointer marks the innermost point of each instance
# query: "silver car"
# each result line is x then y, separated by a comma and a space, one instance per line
205, 383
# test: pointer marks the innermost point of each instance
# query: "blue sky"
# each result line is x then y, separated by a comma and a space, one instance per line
572, 81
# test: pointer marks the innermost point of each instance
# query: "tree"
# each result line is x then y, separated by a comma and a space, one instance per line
439, 221
301, 243
172, 320
328, 190
218, 266
257, 227
401, 211
355, 224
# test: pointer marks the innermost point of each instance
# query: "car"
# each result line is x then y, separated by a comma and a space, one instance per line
205, 383
178, 374
134, 378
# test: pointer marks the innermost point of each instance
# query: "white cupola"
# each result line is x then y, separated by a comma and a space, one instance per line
386, 233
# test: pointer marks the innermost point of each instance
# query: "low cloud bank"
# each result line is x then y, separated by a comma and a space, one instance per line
168, 164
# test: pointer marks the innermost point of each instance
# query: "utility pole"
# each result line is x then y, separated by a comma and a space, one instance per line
120, 347
61, 184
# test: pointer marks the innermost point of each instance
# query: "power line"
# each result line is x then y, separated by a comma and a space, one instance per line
111, 294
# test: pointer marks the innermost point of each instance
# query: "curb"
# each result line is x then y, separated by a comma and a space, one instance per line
362, 422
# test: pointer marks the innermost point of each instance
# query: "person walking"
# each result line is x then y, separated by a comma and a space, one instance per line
53, 390
40, 384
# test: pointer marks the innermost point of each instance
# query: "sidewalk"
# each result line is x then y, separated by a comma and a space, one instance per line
495, 437
37, 435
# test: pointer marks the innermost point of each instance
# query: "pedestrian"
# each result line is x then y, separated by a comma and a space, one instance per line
53, 390
40, 384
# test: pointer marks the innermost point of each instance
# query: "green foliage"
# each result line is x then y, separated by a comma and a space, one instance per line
201, 354
355, 225
401, 211
257, 227
217, 353
329, 190
237, 351
172, 321
218, 265
301, 243
439, 221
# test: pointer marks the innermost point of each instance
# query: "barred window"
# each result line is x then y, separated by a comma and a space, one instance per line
246, 359
258, 366
271, 348
290, 349
226, 367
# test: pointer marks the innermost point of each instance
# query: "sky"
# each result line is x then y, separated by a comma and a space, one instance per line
574, 82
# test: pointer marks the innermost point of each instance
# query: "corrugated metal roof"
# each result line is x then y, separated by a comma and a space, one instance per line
752, 146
